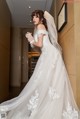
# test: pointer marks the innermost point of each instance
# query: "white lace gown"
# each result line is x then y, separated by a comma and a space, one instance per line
48, 94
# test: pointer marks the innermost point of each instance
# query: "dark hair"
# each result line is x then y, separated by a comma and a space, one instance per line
40, 14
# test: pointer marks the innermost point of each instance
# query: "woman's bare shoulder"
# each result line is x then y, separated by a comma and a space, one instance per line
41, 26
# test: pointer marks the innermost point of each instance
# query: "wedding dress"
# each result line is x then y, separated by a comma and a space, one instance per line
48, 94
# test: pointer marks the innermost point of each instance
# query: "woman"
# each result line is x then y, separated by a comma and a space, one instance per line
48, 94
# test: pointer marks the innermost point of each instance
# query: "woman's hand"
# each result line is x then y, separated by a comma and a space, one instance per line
29, 37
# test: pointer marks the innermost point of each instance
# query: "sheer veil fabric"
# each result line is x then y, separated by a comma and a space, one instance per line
48, 94
52, 30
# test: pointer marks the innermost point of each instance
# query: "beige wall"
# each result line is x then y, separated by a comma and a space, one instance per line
25, 56
4, 50
19, 57
77, 46
67, 41
16, 57
25, 51
70, 43
53, 10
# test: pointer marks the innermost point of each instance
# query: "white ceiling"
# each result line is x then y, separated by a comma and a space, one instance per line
21, 12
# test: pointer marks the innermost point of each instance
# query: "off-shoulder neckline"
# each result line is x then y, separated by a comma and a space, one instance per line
42, 30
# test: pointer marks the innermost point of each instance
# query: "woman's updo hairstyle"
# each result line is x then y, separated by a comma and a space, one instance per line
40, 15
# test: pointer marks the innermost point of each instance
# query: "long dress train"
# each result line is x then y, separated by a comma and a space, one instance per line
48, 94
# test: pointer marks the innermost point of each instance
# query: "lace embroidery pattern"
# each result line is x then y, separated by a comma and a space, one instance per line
3, 116
33, 102
52, 93
70, 113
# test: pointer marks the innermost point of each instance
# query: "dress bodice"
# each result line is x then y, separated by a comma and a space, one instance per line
46, 42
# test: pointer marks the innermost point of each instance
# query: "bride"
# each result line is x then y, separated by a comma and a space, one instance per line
48, 94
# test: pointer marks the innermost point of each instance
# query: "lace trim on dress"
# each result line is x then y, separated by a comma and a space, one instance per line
52, 93
33, 102
39, 32
70, 113
3, 115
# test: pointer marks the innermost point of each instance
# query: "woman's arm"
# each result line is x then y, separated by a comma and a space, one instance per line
39, 43
40, 37
32, 40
